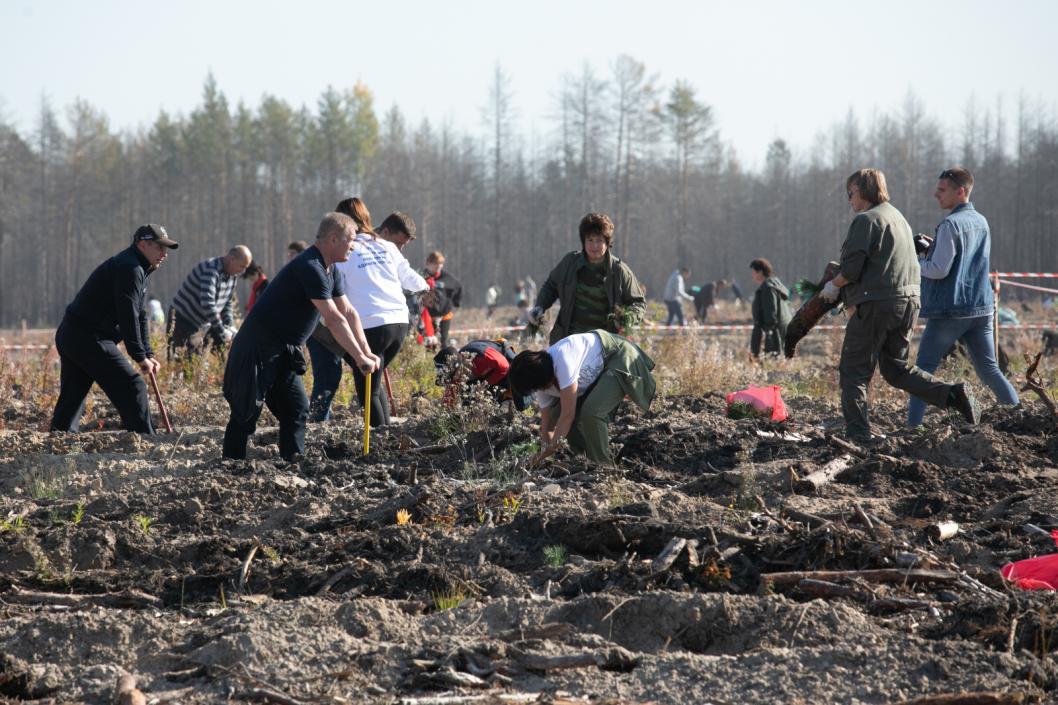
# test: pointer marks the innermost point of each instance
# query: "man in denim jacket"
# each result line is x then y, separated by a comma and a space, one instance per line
957, 297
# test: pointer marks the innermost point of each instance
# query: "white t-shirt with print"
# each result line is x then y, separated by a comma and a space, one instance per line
376, 276
576, 358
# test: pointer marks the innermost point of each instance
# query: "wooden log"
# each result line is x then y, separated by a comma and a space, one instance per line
880, 575
822, 588
810, 313
942, 531
668, 555
269, 696
124, 599
815, 481
983, 697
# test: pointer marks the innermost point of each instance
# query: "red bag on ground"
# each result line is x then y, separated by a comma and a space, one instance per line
1040, 573
765, 400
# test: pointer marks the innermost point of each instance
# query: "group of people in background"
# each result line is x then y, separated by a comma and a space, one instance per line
352, 296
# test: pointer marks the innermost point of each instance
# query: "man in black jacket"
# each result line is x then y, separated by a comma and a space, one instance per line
109, 309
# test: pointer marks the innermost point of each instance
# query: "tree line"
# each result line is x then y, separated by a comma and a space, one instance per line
500, 203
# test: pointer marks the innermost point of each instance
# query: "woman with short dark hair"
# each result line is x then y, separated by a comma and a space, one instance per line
579, 383
594, 288
771, 309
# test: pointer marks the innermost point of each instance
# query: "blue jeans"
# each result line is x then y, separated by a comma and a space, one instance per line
675, 313
326, 376
940, 336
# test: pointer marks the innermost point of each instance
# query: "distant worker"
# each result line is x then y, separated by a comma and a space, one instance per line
595, 289
675, 295
296, 248
957, 299
265, 363
492, 299
446, 295
206, 300
579, 382
110, 309
155, 315
880, 278
705, 298
478, 362
771, 310
375, 278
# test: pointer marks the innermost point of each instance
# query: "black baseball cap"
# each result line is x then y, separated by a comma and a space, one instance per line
150, 231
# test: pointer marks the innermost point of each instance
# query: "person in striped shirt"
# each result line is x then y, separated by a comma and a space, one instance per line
205, 300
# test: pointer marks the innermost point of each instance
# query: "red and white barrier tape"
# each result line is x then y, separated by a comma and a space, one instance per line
1026, 275
1028, 286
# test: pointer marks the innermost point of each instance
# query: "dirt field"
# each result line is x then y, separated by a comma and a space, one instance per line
266, 581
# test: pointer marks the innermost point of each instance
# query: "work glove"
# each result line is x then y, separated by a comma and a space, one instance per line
535, 315
830, 292
430, 341
922, 243
226, 334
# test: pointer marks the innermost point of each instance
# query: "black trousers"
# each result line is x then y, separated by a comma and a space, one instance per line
385, 341
181, 333
675, 313
85, 360
262, 373
441, 328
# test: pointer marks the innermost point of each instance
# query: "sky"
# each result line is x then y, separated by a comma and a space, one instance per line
769, 69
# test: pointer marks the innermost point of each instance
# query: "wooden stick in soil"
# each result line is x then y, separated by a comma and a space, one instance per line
815, 481
246, 564
822, 588
126, 599
389, 391
1035, 384
881, 575
161, 404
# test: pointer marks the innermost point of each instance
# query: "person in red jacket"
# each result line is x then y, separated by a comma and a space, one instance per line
258, 282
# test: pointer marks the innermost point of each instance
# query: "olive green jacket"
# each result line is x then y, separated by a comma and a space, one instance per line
622, 289
632, 367
771, 316
878, 257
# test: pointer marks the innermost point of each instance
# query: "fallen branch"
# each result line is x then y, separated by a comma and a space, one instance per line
847, 447
124, 599
815, 481
984, 697
822, 588
866, 521
881, 575
269, 696
942, 531
1034, 384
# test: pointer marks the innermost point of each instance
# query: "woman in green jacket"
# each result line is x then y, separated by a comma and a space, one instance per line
595, 289
771, 309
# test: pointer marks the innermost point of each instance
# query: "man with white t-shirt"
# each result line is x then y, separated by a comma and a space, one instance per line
375, 276
579, 382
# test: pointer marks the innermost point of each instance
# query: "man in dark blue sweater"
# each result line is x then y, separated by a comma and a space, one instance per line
107, 310
265, 362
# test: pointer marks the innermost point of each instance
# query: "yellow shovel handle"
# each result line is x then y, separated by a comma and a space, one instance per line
367, 414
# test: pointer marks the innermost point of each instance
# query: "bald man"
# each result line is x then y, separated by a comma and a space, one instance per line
205, 300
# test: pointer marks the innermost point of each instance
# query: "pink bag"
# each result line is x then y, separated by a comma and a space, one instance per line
765, 400
1040, 573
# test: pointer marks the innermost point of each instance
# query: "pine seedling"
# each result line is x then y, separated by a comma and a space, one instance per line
556, 555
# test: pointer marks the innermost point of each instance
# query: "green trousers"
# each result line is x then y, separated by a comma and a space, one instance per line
625, 373
879, 335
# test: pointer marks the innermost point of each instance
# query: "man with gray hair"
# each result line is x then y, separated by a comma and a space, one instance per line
265, 362
206, 300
